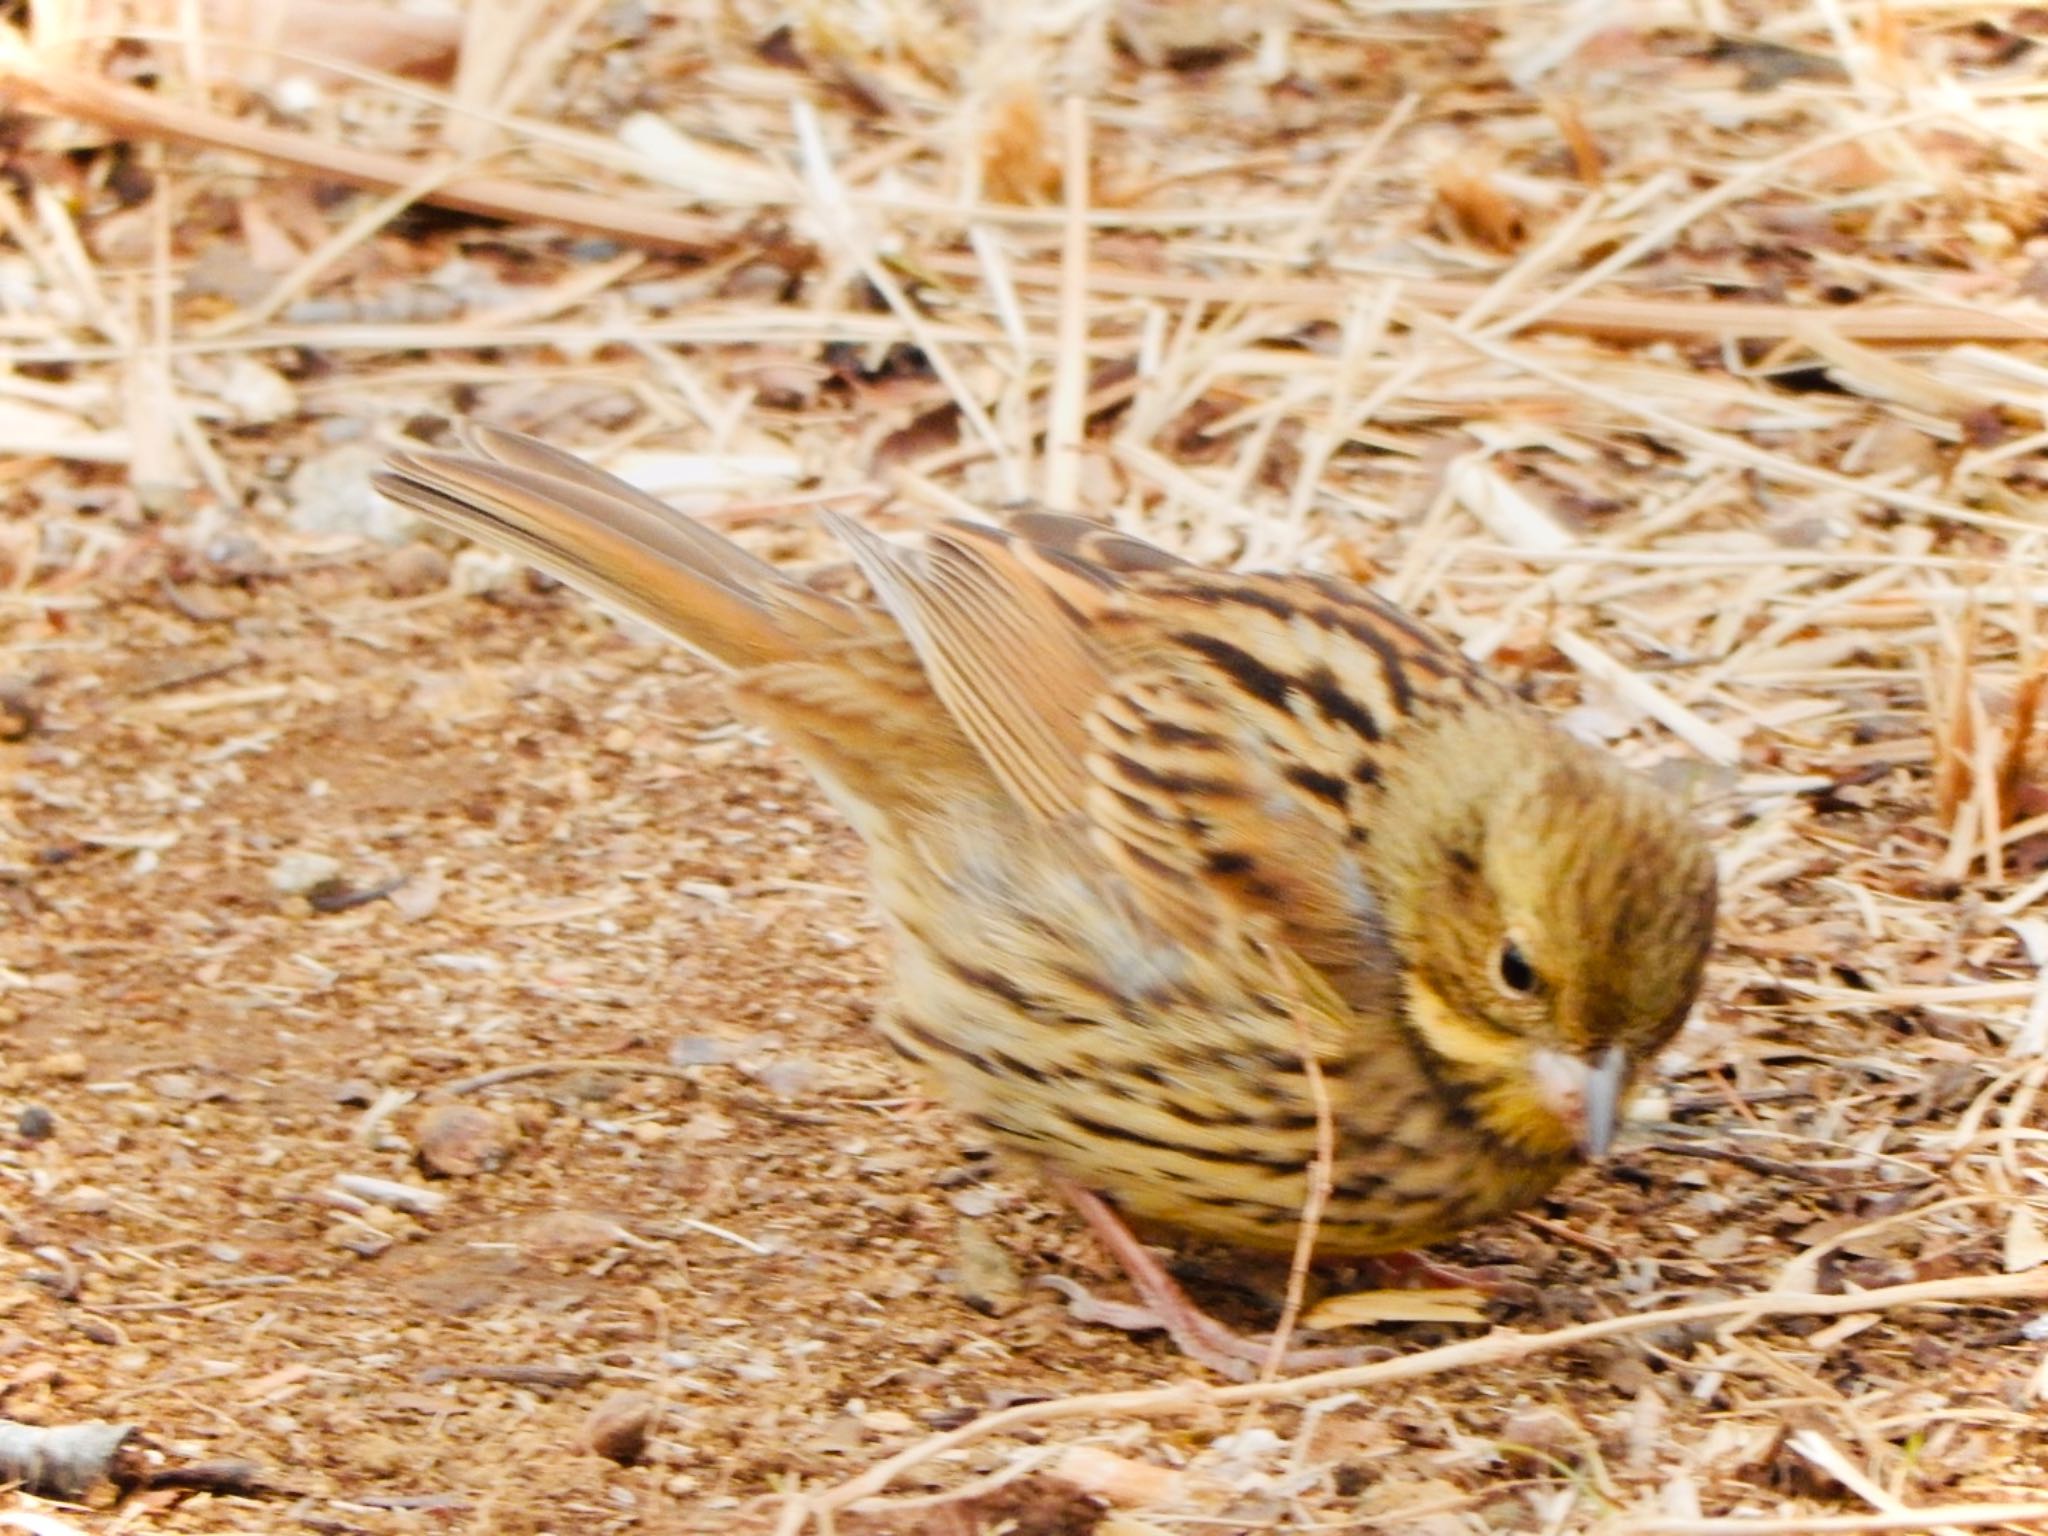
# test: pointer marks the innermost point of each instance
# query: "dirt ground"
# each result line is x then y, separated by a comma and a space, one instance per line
714, 1186
436, 1090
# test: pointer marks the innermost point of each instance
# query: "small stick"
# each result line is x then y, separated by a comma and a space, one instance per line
1065, 423
1498, 1348
1321, 1178
568, 1376
498, 1075
1824, 1525
140, 114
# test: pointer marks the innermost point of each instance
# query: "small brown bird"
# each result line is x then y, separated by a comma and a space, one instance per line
1152, 839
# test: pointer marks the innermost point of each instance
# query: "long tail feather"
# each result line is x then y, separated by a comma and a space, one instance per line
616, 543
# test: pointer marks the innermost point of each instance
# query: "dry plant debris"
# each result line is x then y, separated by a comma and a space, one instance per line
435, 1056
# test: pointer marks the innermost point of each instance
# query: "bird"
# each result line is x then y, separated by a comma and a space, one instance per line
1185, 872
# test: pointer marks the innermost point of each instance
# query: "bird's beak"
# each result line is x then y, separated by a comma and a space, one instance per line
1585, 1093
1601, 1114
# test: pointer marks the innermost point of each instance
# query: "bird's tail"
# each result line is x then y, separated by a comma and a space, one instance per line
837, 681
616, 543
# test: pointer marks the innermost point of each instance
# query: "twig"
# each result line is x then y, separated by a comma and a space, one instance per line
1065, 423
566, 1376
498, 1075
1616, 319
1315, 1199
1498, 1348
141, 114
1824, 1525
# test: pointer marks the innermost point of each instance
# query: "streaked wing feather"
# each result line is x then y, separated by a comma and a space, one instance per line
1089, 544
1189, 793
1006, 657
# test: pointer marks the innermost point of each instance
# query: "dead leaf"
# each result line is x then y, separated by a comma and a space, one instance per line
2025, 1245
1455, 1304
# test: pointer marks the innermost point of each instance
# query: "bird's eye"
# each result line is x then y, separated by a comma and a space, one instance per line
1516, 973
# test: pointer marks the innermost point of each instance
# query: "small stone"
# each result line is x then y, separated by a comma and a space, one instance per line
36, 1123
63, 1066
419, 896
363, 1242
300, 871
460, 1140
476, 572
977, 1202
1119, 1479
19, 714
705, 1125
570, 1236
413, 570
532, 1116
787, 1079
331, 493
986, 1277
1544, 1430
619, 1427
391, 1194
699, 1051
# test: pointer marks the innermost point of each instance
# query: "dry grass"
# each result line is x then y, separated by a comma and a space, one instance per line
1686, 360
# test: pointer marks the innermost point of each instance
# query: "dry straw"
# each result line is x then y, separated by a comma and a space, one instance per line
1688, 366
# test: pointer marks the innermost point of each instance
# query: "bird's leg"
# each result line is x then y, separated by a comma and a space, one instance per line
1165, 1305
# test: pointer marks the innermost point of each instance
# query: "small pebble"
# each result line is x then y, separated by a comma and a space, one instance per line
299, 871
419, 896
63, 1066
618, 1428
459, 1140
389, 1192
1119, 1479
363, 1242
986, 1277
1545, 1430
978, 1201
699, 1051
468, 964
569, 1236
787, 1079
331, 493
36, 1123
19, 715
413, 570
478, 571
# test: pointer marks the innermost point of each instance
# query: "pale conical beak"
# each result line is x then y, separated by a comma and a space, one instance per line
1585, 1093
1601, 1104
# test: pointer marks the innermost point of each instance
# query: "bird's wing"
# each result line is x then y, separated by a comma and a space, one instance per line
1240, 752
1003, 635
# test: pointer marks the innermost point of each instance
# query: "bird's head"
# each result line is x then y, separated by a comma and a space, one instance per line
1553, 914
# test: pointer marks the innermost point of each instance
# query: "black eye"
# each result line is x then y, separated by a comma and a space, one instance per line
1516, 974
